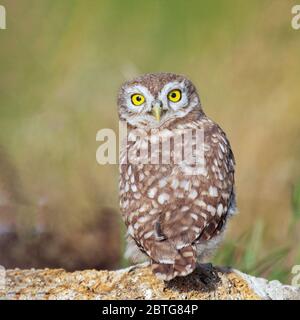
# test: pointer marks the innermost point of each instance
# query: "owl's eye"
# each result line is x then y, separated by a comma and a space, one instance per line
137, 99
174, 95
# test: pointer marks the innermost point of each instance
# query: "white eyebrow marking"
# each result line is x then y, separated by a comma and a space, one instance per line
163, 95
129, 91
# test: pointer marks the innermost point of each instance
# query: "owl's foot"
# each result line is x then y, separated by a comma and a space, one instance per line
207, 273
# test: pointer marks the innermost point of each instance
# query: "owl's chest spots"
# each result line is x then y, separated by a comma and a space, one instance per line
156, 188
140, 179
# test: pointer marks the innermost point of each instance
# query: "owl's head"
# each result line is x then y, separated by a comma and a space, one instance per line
153, 100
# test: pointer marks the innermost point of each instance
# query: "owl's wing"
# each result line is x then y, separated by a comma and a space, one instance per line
201, 213
208, 196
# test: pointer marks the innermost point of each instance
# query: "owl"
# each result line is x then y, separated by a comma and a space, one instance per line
175, 217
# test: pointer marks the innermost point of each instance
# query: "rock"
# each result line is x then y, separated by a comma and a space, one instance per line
138, 282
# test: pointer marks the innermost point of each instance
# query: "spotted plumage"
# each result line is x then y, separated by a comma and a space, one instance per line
175, 213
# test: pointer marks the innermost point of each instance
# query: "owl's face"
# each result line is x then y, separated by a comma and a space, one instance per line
155, 99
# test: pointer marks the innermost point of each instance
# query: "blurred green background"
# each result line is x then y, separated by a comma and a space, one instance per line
61, 64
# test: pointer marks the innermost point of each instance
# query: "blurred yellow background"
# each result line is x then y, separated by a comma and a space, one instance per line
61, 64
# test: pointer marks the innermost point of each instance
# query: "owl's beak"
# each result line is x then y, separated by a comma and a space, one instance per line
156, 109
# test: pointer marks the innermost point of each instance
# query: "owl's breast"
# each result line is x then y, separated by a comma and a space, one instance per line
156, 196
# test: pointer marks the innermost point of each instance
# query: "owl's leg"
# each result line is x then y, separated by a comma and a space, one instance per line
133, 253
205, 250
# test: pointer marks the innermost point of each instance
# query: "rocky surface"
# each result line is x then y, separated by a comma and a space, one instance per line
139, 283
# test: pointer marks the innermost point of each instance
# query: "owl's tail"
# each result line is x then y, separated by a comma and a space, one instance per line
184, 264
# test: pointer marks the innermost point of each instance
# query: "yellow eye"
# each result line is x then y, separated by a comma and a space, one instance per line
174, 95
137, 99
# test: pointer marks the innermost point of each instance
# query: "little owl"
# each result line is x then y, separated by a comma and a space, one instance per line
175, 217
